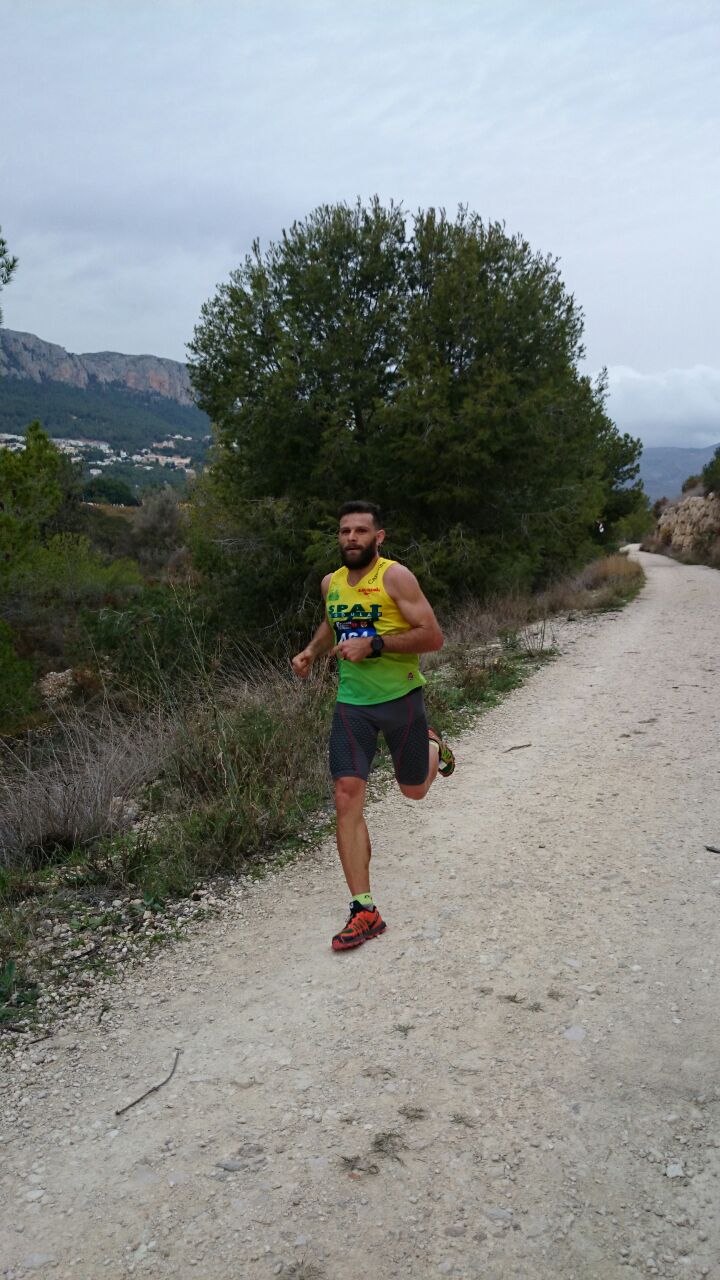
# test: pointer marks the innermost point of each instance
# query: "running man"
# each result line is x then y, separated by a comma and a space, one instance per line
377, 621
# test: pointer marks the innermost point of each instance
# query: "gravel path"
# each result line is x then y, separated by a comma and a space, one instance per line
520, 1079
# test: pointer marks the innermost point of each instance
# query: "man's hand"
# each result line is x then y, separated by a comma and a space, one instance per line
302, 663
353, 650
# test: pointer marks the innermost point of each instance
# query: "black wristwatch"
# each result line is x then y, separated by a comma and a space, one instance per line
377, 644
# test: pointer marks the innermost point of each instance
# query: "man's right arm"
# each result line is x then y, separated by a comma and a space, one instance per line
322, 642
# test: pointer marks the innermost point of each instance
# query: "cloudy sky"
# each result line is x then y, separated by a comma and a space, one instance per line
145, 144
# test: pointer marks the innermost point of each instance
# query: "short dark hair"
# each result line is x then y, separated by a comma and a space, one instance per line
362, 508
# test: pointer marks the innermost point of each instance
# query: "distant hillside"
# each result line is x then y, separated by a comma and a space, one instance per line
663, 468
127, 401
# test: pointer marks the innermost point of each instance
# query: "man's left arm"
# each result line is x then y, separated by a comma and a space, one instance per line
424, 635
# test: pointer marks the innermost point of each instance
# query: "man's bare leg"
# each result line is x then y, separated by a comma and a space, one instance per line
353, 838
419, 792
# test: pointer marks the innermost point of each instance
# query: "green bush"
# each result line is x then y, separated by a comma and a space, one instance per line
155, 640
109, 489
17, 695
69, 571
711, 473
634, 527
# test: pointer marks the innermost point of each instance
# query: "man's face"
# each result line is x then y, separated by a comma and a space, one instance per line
359, 539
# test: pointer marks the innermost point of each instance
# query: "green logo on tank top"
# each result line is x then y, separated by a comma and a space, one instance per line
358, 613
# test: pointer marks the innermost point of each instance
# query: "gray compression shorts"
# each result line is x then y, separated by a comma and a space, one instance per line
403, 723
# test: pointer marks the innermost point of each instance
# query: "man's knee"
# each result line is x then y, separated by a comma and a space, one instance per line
349, 794
414, 793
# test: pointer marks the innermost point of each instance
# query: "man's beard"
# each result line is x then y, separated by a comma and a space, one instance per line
359, 559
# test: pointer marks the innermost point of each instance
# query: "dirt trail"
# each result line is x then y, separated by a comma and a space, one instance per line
545, 999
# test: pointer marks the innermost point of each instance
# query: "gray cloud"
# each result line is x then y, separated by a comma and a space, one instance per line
676, 407
145, 146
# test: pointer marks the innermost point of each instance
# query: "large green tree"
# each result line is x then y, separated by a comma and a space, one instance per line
429, 363
7, 265
295, 357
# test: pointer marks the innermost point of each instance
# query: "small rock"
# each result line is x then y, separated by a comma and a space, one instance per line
674, 1169
574, 1033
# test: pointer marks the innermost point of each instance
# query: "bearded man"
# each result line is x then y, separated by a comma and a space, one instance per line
377, 622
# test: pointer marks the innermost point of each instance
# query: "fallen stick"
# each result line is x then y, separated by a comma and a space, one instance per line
520, 747
711, 848
153, 1089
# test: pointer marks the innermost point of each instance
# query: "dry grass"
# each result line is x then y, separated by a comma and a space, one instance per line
389, 1144
459, 1117
64, 789
218, 779
410, 1112
527, 619
706, 550
601, 584
617, 568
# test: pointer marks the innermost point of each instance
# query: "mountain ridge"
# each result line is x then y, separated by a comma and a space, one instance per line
26, 357
664, 468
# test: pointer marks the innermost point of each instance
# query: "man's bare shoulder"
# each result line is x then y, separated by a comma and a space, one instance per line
325, 584
400, 581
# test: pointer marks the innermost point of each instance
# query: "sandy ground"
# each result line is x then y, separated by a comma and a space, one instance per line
521, 1078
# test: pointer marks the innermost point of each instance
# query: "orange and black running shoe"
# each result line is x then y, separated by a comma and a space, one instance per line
446, 762
362, 923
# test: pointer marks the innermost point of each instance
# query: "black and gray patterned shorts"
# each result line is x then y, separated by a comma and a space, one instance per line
402, 721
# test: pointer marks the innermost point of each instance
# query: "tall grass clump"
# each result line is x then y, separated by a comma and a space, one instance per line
246, 771
608, 583
63, 789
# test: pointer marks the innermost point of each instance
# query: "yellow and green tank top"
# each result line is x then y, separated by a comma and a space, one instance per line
367, 610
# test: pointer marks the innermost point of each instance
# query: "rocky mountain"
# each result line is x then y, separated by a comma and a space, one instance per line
663, 468
26, 357
137, 411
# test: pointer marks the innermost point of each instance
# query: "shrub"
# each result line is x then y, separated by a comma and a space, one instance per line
247, 766
159, 529
711, 473
634, 527
155, 642
109, 489
17, 696
68, 571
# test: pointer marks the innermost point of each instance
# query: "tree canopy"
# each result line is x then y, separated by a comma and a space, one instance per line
430, 364
30, 495
711, 473
7, 265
